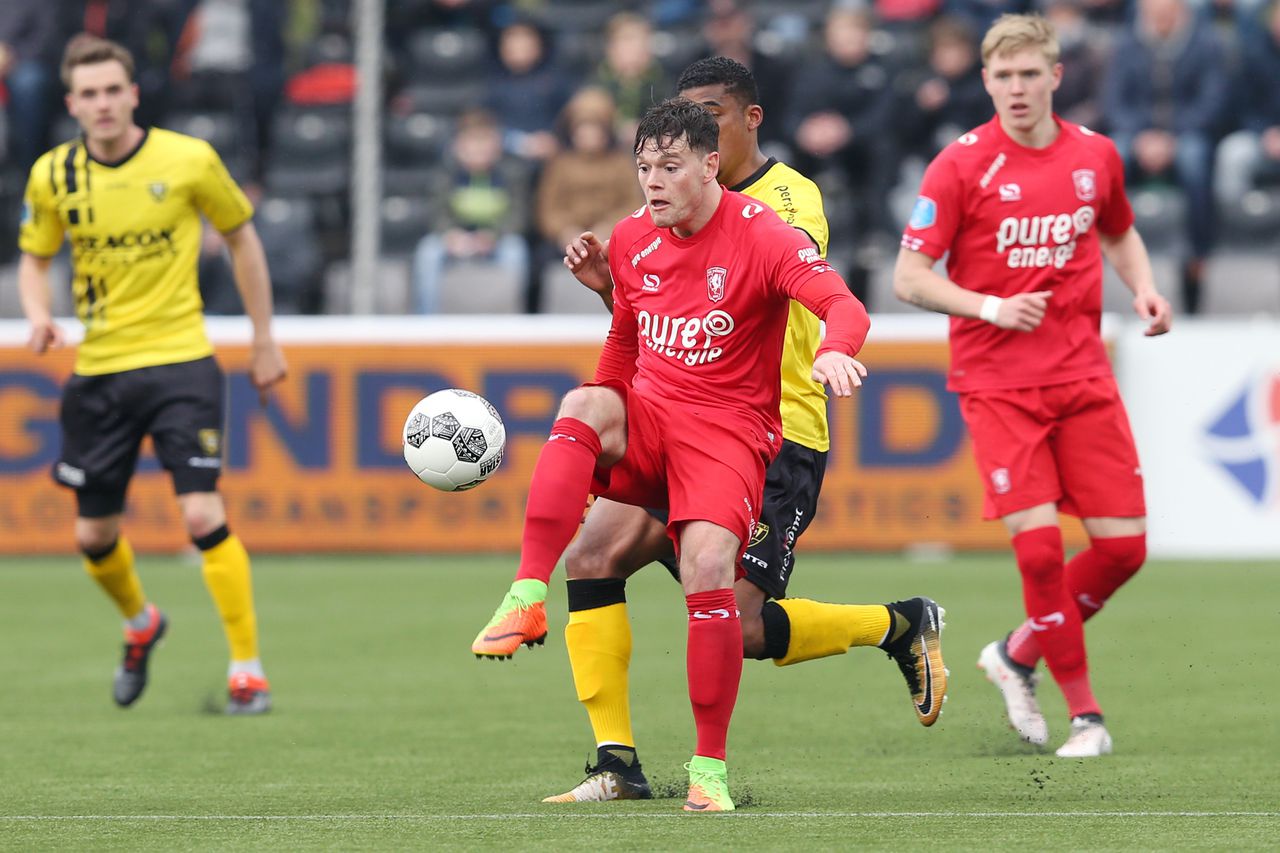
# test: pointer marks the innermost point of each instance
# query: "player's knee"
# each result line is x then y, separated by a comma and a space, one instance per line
705, 569
96, 535
202, 513
1123, 554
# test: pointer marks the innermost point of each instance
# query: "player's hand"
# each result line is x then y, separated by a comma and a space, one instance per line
839, 372
1156, 310
1023, 312
266, 367
588, 259
45, 335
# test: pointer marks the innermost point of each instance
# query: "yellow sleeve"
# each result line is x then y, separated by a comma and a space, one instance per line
217, 196
810, 216
40, 230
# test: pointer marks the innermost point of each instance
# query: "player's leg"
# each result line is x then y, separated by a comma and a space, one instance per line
101, 434
590, 430
793, 630
708, 554
186, 428
616, 540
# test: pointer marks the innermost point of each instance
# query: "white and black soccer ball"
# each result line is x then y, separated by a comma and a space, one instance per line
453, 440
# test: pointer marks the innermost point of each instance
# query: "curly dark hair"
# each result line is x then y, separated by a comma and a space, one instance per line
736, 78
677, 118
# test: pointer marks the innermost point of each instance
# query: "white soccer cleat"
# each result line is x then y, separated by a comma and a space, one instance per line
1019, 692
1089, 738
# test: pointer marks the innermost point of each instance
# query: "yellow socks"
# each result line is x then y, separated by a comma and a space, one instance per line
226, 574
819, 629
115, 574
599, 643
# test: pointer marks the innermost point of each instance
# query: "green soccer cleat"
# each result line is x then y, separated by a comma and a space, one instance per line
708, 786
521, 619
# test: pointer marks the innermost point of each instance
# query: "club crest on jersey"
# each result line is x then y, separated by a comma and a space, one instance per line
715, 283
1086, 184
159, 189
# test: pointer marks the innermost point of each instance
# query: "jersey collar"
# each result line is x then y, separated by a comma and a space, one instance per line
741, 186
115, 164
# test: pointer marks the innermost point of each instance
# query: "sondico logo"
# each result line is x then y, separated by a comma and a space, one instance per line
645, 252
1042, 241
691, 340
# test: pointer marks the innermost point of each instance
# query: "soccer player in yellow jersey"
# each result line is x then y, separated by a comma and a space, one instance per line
129, 201
617, 540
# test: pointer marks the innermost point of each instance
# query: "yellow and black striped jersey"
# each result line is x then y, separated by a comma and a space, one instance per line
804, 402
134, 232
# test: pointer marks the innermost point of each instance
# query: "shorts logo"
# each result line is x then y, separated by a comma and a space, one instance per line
69, 474
924, 214
1000, 480
758, 534
715, 283
210, 441
1086, 184
158, 190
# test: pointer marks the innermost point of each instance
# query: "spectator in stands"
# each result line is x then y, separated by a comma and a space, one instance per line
1163, 98
590, 185
630, 71
981, 14
1082, 63
1251, 156
948, 98
729, 30
526, 91
28, 66
480, 204
839, 107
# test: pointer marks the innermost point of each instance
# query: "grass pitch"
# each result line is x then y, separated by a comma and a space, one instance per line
388, 734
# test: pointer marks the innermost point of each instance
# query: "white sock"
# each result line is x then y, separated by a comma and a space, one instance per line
252, 667
142, 621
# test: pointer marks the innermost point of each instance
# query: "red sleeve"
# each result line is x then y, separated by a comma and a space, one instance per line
621, 347
938, 209
1116, 214
847, 322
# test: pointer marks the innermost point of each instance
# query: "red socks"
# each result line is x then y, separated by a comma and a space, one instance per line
1092, 577
1052, 616
714, 664
557, 495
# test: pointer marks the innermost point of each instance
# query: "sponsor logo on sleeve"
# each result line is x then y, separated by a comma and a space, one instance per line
924, 214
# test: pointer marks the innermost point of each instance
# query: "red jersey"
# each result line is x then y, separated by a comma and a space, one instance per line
700, 321
1018, 220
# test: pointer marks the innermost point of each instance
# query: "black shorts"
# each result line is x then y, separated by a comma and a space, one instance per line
791, 486
104, 419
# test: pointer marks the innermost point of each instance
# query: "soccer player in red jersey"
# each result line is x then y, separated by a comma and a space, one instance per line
1025, 206
683, 412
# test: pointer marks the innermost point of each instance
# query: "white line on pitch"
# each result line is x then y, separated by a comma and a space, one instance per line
615, 815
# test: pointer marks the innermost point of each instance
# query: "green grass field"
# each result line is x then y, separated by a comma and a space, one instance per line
388, 734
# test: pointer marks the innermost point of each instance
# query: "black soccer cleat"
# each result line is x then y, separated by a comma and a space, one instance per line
915, 645
131, 676
616, 776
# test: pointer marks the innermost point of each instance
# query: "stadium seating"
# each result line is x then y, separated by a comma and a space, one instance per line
287, 228
310, 152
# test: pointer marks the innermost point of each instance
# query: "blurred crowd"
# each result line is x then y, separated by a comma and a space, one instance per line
508, 125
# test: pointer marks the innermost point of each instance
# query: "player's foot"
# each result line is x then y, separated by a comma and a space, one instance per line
1017, 685
521, 618
708, 786
248, 694
915, 644
131, 676
616, 776
1089, 738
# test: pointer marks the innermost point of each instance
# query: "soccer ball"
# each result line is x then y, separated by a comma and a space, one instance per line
453, 440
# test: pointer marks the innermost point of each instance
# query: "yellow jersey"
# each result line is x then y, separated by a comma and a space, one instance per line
804, 402
134, 232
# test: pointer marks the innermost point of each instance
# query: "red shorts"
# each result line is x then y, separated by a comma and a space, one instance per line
1068, 444
699, 465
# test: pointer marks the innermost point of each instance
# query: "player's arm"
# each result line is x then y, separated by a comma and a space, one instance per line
37, 303
915, 281
827, 295
588, 259
249, 262
1128, 254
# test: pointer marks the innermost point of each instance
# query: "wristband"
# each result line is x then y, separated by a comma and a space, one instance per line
990, 308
